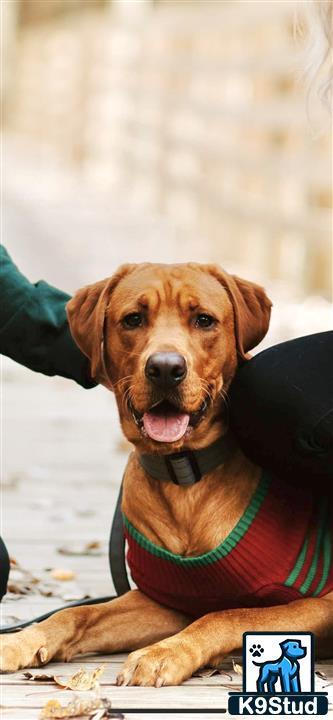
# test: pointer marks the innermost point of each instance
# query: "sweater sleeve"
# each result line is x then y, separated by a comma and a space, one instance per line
33, 326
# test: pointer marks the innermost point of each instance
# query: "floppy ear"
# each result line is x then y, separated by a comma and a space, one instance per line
86, 313
252, 309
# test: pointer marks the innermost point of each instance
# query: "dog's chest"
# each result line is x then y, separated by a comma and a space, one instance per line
278, 551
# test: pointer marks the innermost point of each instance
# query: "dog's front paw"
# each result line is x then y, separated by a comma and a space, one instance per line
22, 649
165, 663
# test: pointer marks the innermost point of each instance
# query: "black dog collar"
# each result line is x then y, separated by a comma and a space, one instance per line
189, 466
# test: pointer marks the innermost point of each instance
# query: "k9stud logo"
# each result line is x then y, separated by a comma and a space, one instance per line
278, 676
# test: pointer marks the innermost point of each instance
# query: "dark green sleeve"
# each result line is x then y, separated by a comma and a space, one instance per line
33, 326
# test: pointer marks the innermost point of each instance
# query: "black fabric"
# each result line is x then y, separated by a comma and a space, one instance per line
281, 409
4, 568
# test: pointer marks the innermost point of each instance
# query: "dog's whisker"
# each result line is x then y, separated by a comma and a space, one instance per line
127, 396
123, 380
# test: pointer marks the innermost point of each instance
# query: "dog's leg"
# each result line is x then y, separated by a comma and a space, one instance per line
285, 682
271, 684
126, 623
295, 684
207, 640
261, 682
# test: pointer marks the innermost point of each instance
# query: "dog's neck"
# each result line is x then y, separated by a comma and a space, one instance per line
188, 467
194, 519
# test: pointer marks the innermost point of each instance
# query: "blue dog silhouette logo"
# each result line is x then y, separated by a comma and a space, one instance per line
285, 668
278, 676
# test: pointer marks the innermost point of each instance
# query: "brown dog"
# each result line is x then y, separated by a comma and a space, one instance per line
167, 340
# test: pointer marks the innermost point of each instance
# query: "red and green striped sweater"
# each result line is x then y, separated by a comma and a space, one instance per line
280, 550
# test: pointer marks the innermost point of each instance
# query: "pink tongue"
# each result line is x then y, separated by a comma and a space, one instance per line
165, 428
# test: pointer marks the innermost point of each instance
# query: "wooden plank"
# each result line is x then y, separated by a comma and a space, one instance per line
112, 666
22, 713
185, 696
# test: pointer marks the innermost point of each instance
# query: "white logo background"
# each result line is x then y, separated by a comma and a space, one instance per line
270, 645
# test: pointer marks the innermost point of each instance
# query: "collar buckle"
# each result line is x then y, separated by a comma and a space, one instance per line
183, 468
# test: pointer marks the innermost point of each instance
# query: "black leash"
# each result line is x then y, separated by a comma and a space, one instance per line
117, 558
117, 567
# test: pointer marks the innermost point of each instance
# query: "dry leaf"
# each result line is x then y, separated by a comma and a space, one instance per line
21, 581
62, 574
237, 668
77, 707
100, 715
106, 713
39, 677
21, 587
321, 674
209, 672
81, 680
90, 548
74, 593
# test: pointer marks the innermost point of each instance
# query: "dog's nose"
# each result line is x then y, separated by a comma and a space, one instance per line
166, 369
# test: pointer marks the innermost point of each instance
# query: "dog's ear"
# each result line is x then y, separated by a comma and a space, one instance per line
86, 313
252, 309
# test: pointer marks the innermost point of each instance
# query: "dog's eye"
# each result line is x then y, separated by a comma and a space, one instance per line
133, 320
204, 321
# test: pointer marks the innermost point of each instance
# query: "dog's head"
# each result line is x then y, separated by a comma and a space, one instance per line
293, 649
167, 339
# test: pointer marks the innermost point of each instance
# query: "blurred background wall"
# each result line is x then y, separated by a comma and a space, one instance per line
169, 131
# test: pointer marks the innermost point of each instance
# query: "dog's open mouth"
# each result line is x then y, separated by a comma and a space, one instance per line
165, 422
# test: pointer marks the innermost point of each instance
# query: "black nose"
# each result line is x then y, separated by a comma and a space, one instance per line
166, 369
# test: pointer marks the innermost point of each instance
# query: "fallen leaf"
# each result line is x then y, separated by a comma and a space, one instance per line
209, 672
38, 677
48, 589
81, 680
321, 674
20, 588
77, 707
62, 574
99, 715
21, 581
106, 712
91, 548
73, 593
237, 668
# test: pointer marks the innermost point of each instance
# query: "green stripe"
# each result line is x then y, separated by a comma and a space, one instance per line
314, 565
327, 556
291, 579
222, 550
